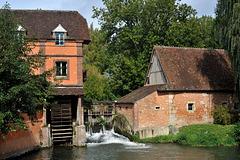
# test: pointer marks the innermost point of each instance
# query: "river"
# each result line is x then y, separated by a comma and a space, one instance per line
108, 145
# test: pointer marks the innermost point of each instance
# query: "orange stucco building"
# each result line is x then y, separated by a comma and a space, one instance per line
60, 36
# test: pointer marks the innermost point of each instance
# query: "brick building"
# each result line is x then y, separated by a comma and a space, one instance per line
59, 35
182, 86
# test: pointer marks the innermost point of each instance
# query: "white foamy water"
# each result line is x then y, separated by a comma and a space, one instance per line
110, 137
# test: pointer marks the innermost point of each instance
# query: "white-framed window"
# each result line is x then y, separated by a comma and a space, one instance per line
59, 39
19, 34
190, 106
61, 69
59, 34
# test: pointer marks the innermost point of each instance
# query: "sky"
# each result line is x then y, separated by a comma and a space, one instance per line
84, 7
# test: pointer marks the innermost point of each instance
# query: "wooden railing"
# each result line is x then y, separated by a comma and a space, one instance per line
100, 108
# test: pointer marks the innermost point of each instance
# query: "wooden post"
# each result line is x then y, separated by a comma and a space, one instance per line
102, 112
80, 113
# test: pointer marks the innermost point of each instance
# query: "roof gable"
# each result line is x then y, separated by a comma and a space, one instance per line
155, 74
41, 23
196, 69
59, 29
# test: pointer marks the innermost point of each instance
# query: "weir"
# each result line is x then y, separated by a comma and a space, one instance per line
108, 139
105, 137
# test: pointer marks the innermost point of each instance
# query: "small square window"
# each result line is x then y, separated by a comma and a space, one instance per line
190, 106
61, 69
59, 39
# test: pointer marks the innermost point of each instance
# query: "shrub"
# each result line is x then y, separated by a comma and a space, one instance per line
236, 133
206, 135
221, 115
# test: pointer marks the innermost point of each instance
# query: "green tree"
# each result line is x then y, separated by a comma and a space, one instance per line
228, 25
96, 86
193, 32
21, 91
95, 52
132, 27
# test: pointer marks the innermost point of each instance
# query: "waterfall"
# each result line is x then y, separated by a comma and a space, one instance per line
105, 136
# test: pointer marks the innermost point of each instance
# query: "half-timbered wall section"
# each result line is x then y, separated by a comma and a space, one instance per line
155, 74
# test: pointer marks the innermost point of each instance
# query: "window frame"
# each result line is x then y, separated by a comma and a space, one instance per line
193, 106
67, 68
157, 107
59, 41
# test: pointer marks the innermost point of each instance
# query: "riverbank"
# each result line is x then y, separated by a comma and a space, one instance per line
198, 135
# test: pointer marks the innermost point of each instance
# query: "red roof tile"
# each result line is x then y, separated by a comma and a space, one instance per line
142, 92
189, 69
196, 69
41, 23
63, 91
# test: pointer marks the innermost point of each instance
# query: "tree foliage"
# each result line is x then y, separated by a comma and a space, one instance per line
94, 62
221, 115
193, 32
228, 25
132, 27
21, 90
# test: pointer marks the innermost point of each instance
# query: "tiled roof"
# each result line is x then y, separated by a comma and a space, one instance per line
189, 69
142, 92
196, 69
41, 23
63, 91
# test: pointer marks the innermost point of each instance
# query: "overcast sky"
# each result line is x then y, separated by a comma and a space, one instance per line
84, 7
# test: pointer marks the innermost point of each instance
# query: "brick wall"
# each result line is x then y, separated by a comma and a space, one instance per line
20, 142
127, 111
153, 111
179, 113
153, 114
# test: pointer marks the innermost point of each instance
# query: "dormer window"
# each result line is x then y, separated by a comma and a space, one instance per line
59, 34
59, 39
19, 34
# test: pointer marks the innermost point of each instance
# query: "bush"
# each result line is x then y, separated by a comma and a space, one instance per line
221, 115
236, 133
206, 135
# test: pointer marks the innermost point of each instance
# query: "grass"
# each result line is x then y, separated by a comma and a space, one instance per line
198, 135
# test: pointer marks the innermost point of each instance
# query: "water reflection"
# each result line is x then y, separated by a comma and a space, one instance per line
108, 145
130, 152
